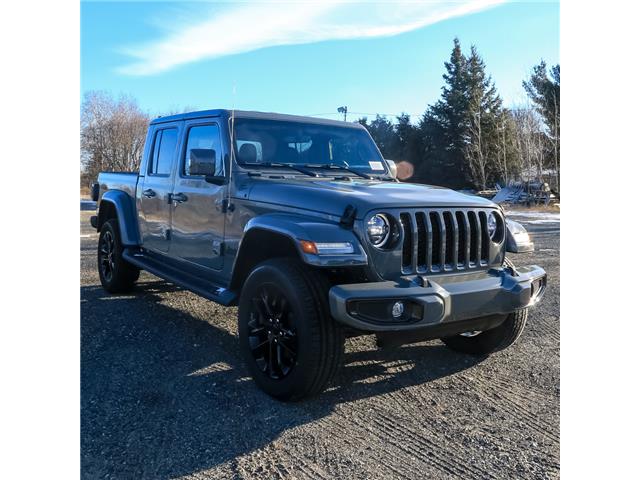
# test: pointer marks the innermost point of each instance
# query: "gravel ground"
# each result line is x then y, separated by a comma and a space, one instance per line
165, 395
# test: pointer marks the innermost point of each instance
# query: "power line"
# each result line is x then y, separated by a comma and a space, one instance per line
366, 113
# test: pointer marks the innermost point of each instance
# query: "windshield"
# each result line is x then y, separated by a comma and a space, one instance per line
273, 141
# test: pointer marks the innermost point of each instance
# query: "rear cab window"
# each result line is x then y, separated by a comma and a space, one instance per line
164, 149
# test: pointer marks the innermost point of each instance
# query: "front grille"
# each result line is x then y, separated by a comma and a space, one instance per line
444, 240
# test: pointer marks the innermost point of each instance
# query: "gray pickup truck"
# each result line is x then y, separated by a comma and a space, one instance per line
302, 224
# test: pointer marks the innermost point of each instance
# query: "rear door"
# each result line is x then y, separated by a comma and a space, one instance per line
197, 217
157, 186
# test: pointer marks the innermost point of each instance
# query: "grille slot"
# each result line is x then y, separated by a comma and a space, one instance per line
437, 249
463, 239
407, 243
450, 240
421, 263
447, 240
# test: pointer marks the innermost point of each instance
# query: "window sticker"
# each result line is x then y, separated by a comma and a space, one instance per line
376, 166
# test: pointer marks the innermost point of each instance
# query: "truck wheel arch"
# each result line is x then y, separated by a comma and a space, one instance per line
252, 252
119, 205
281, 233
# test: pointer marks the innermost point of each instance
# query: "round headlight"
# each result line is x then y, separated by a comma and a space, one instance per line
378, 230
492, 224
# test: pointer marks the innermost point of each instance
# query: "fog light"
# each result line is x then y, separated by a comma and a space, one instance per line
397, 310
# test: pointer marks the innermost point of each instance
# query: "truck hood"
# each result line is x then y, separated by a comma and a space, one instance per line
332, 196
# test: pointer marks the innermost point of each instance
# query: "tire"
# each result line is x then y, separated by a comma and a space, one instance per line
284, 301
116, 274
494, 340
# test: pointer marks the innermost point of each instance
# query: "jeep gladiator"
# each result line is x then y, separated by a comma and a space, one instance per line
301, 223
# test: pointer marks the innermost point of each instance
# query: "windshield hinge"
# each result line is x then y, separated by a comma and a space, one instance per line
348, 217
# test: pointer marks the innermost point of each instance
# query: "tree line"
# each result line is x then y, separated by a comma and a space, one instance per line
466, 139
112, 134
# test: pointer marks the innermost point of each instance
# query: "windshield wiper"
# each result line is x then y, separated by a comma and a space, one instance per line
292, 166
338, 166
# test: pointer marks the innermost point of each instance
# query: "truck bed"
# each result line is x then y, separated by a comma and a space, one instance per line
125, 181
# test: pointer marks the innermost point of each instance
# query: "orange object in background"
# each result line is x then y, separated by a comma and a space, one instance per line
405, 170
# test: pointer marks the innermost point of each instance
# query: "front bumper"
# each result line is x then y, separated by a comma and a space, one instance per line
436, 301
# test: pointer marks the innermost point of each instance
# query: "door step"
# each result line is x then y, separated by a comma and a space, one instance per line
159, 267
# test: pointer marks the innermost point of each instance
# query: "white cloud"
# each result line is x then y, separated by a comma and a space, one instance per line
227, 29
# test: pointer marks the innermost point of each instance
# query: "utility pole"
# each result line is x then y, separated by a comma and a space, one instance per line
343, 110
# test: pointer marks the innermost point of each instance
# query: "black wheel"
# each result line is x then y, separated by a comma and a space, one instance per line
289, 341
116, 274
498, 338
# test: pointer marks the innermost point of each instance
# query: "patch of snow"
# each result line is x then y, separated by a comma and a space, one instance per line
533, 217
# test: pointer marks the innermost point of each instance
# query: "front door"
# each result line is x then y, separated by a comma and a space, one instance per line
197, 216
157, 185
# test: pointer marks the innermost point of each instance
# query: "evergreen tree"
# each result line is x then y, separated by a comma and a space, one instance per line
459, 132
544, 91
443, 126
383, 133
407, 140
485, 111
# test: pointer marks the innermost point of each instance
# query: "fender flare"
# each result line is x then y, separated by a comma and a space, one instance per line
125, 209
301, 227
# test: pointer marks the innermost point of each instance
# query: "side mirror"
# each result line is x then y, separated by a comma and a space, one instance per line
202, 161
393, 168
215, 180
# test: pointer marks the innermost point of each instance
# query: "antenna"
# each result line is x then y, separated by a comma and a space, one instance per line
232, 134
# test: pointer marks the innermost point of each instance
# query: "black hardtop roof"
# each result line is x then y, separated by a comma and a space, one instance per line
258, 115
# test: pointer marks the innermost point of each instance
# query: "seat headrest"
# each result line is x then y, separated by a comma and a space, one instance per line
248, 153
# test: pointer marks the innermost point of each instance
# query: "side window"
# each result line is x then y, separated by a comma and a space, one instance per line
164, 148
203, 155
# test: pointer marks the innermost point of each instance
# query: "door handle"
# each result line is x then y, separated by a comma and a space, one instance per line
149, 193
179, 197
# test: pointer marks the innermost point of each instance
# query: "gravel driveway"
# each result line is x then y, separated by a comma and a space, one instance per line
165, 395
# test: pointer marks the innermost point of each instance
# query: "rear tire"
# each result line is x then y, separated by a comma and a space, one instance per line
493, 340
290, 343
116, 274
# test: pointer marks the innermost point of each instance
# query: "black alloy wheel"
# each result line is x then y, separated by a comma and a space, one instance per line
272, 335
290, 344
106, 251
116, 274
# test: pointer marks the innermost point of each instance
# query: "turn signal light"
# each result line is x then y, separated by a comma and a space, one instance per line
308, 247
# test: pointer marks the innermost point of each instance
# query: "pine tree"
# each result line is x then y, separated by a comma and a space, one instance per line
459, 132
544, 91
383, 133
485, 110
443, 125
406, 140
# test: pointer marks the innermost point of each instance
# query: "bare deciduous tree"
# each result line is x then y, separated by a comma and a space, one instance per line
475, 152
112, 134
530, 142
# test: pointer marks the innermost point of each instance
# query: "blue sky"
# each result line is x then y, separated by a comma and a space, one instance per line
306, 59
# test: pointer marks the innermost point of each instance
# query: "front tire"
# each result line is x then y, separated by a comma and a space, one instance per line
116, 274
489, 341
288, 339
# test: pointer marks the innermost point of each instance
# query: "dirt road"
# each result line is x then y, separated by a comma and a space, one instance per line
165, 395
